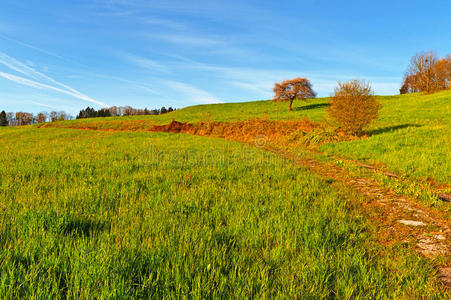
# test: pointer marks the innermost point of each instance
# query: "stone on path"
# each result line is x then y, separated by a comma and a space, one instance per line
411, 223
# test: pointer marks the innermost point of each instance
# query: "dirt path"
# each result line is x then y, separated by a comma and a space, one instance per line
438, 188
397, 218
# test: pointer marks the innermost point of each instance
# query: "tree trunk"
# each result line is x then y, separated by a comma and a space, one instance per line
291, 103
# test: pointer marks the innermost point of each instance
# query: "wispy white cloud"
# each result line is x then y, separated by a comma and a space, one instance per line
133, 83
125, 10
188, 40
260, 81
29, 71
192, 93
45, 105
32, 47
163, 22
6, 27
39, 80
145, 63
257, 88
42, 86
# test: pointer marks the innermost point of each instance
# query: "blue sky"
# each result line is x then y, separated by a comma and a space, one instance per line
66, 55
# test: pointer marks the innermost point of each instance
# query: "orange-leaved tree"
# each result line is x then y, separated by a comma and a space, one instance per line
442, 72
409, 84
427, 73
353, 106
292, 89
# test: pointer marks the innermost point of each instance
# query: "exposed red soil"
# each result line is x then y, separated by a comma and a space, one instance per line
243, 131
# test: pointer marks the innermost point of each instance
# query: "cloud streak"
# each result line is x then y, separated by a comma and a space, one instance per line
42, 86
145, 63
32, 47
44, 105
185, 40
192, 93
39, 80
259, 81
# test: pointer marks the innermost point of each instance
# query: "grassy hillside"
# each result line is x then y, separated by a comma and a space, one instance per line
94, 214
411, 137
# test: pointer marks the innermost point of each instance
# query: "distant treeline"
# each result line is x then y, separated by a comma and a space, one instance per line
116, 111
24, 118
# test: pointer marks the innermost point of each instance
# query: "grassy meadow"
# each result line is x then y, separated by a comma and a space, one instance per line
95, 214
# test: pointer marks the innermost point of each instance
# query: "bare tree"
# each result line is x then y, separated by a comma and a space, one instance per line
61, 116
24, 118
427, 73
128, 111
292, 89
41, 117
422, 66
19, 118
114, 111
53, 116
10, 118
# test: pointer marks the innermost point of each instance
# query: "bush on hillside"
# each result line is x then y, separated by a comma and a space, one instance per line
353, 106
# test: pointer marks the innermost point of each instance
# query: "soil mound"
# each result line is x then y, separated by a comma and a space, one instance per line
174, 126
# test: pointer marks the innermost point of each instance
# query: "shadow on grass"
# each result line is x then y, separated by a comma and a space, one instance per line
82, 227
391, 128
311, 106
49, 220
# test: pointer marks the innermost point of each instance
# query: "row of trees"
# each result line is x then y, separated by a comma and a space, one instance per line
427, 73
116, 111
353, 105
24, 118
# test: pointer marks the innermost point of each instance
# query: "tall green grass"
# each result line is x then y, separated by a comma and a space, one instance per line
89, 214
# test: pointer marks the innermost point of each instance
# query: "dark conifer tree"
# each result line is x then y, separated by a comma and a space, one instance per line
3, 119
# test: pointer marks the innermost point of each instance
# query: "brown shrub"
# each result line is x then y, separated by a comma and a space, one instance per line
353, 106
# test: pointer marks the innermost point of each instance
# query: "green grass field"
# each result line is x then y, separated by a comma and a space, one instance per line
92, 214
97, 214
